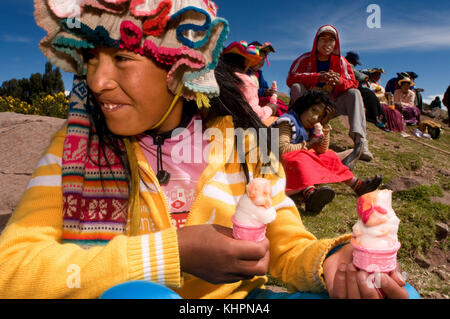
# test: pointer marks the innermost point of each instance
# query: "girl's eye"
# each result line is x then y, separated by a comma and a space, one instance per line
121, 58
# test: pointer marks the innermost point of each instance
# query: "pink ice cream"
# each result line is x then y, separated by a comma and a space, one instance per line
274, 97
318, 130
377, 226
255, 207
374, 237
254, 211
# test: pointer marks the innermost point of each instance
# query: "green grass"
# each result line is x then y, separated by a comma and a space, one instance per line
419, 216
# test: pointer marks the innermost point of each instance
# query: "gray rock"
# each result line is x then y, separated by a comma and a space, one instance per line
444, 172
401, 184
23, 141
441, 231
442, 274
422, 262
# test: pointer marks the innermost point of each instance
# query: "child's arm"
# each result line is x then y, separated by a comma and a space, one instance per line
285, 139
325, 144
35, 264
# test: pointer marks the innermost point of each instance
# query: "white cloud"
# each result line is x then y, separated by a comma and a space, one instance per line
418, 31
430, 98
400, 37
16, 39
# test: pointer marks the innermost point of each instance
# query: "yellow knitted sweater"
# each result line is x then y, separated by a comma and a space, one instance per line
34, 263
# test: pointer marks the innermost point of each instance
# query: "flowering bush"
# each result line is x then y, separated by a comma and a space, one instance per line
56, 105
10, 104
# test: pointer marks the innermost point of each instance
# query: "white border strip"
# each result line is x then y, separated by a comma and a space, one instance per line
159, 257
146, 257
49, 180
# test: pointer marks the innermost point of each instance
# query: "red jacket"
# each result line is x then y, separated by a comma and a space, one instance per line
304, 69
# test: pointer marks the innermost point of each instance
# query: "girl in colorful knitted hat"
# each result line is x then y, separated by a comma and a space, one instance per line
123, 193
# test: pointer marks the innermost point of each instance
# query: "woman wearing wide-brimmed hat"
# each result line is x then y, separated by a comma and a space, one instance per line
404, 101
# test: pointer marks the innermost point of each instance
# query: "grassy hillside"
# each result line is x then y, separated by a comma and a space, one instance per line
418, 209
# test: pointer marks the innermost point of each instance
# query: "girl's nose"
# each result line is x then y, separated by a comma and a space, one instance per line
101, 75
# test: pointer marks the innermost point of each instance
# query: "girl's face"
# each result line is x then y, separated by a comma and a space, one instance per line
376, 76
131, 91
312, 116
405, 87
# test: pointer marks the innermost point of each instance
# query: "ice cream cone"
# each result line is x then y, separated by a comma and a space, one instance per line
248, 233
375, 260
274, 99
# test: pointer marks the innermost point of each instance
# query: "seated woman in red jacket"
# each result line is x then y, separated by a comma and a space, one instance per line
304, 140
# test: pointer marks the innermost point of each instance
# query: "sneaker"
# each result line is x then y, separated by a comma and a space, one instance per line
318, 199
354, 156
368, 185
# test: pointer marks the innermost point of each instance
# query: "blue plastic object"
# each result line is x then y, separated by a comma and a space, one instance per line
139, 290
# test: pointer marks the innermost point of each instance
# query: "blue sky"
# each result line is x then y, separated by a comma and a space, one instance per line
414, 36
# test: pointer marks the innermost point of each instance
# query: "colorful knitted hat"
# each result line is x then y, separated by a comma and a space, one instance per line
249, 52
267, 47
184, 34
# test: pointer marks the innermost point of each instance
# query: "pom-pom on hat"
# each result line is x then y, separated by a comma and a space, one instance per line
266, 47
185, 35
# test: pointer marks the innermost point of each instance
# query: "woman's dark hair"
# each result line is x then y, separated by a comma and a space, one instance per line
311, 98
233, 61
230, 102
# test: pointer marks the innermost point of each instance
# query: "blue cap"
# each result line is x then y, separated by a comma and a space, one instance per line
353, 56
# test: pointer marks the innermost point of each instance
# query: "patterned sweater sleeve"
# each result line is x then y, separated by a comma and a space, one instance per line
35, 264
285, 136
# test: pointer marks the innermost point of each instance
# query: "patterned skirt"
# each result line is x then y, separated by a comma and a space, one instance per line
394, 120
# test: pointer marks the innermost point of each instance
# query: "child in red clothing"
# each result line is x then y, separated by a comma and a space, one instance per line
304, 142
